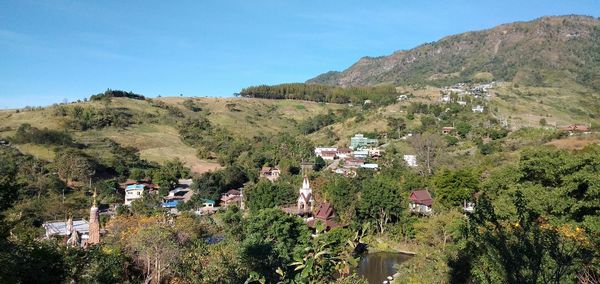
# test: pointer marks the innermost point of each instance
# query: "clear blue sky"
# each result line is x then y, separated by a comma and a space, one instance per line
56, 50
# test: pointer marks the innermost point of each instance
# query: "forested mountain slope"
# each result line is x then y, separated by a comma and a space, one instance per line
549, 51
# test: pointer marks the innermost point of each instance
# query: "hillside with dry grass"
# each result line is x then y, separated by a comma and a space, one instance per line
154, 132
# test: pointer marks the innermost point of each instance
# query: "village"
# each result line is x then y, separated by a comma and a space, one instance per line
362, 153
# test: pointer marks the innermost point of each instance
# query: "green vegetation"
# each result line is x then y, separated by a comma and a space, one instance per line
536, 206
108, 94
380, 95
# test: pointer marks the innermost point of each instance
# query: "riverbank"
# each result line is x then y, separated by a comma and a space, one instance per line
383, 244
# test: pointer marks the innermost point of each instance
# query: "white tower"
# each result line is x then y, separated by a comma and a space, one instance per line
305, 199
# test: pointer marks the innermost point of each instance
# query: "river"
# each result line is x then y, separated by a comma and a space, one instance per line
376, 267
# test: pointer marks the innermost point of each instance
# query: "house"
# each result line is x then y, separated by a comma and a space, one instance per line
576, 128
462, 103
270, 173
146, 182
420, 202
360, 141
208, 203
446, 99
319, 150
133, 192
181, 194
343, 153
370, 166
231, 197
478, 108
78, 233
375, 153
411, 160
4, 142
345, 172
353, 163
360, 154
324, 215
65, 228
328, 155
447, 130
208, 207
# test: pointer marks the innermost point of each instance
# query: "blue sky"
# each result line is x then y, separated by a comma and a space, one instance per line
56, 50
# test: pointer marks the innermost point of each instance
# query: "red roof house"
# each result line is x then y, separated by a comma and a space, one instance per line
324, 215
420, 201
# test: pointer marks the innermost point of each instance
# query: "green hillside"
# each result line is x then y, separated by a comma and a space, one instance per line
151, 125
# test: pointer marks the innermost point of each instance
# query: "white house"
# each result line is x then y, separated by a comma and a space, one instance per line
133, 192
370, 166
411, 160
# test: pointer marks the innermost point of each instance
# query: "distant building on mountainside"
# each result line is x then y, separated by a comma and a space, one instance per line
135, 189
343, 153
359, 141
231, 197
134, 192
319, 150
420, 202
270, 173
353, 163
411, 160
328, 155
181, 194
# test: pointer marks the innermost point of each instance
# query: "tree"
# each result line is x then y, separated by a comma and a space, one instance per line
463, 128
72, 165
429, 148
339, 192
381, 201
396, 124
266, 194
272, 238
319, 163
8, 192
523, 248
454, 187
156, 248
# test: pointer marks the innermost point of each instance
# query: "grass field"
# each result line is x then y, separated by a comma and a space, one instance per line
159, 141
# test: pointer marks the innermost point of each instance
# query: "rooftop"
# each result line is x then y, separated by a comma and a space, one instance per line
59, 228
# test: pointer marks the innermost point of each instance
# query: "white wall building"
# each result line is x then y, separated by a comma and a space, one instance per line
133, 192
411, 160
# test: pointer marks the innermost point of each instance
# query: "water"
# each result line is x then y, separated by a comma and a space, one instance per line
376, 267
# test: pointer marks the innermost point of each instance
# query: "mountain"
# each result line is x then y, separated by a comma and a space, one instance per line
549, 51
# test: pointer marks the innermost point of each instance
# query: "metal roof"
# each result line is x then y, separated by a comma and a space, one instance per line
59, 228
